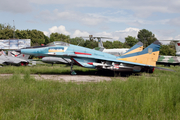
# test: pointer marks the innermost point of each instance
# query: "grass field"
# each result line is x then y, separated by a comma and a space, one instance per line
147, 96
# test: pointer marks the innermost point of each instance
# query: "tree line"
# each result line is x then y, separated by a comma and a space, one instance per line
38, 37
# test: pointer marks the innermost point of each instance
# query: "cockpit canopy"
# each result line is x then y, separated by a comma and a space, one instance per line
58, 43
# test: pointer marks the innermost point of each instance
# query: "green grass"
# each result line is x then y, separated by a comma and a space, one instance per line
44, 69
148, 96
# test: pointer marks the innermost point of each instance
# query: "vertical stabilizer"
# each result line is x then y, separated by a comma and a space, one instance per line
138, 47
177, 46
100, 44
148, 56
23, 56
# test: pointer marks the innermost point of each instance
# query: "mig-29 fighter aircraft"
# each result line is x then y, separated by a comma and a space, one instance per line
56, 60
135, 62
116, 52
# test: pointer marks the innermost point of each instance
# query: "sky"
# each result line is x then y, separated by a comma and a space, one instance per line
103, 18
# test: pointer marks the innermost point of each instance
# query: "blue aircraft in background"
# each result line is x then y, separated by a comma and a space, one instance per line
134, 60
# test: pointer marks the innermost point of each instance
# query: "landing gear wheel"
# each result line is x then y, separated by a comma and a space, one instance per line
150, 70
22, 64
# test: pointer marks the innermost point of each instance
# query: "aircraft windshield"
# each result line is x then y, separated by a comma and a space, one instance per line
59, 43
50, 44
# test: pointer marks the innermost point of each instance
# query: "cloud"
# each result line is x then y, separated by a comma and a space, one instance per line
116, 35
141, 8
174, 21
46, 33
15, 6
61, 29
57, 15
95, 19
177, 37
127, 32
78, 33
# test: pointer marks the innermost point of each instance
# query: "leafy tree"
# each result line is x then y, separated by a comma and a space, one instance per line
167, 50
90, 44
22, 34
130, 41
77, 41
6, 34
59, 37
4, 26
146, 37
47, 40
108, 45
6, 31
117, 44
37, 37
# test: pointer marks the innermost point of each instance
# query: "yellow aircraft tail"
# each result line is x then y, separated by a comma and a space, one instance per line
148, 56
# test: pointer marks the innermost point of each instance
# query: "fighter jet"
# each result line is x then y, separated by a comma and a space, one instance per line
10, 60
116, 52
133, 62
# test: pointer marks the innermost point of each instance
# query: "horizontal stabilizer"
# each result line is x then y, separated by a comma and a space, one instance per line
166, 69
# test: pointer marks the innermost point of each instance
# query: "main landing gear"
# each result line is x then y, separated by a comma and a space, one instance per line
72, 71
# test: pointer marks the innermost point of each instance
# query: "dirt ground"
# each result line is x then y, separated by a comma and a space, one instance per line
67, 78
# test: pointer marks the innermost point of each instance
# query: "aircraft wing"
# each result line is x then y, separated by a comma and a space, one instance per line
166, 69
137, 60
96, 58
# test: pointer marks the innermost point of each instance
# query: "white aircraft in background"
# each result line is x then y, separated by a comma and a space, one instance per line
177, 45
115, 51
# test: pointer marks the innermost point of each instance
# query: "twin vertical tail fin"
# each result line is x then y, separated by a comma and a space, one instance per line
23, 56
148, 56
138, 47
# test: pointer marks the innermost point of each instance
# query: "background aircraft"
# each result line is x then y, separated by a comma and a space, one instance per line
10, 60
177, 45
115, 51
170, 60
89, 58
